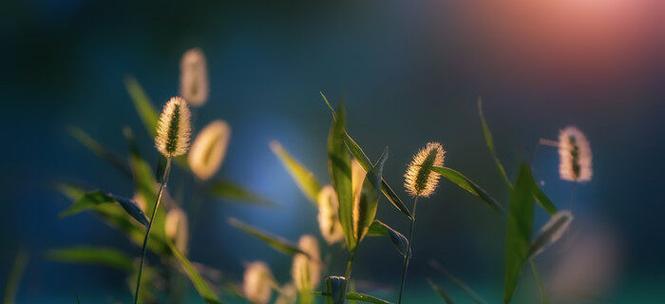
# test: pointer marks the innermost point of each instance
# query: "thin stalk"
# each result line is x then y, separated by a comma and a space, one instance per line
538, 281
164, 180
407, 257
349, 266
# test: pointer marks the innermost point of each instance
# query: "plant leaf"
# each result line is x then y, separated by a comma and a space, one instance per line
369, 198
356, 296
339, 166
274, 242
143, 105
227, 190
472, 294
14, 277
199, 283
518, 231
92, 199
303, 177
541, 197
362, 158
489, 141
99, 150
441, 292
378, 228
469, 186
92, 255
551, 232
538, 281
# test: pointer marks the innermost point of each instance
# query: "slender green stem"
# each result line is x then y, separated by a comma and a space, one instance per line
144, 248
349, 266
538, 281
407, 257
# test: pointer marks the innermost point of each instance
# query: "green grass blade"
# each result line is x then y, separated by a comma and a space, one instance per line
228, 190
369, 198
92, 199
538, 281
441, 292
18, 269
272, 241
472, 294
541, 197
100, 151
303, 177
108, 257
468, 185
378, 228
339, 167
518, 232
361, 157
143, 105
489, 141
365, 298
197, 280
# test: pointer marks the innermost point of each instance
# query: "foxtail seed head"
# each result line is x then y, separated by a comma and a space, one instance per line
209, 149
306, 270
176, 228
419, 179
194, 85
331, 228
257, 283
173, 128
574, 155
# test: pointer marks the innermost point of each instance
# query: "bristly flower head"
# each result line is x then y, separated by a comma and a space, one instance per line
176, 228
194, 77
173, 128
306, 270
574, 155
257, 283
419, 180
209, 149
331, 228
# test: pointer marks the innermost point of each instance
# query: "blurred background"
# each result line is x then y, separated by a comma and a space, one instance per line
408, 71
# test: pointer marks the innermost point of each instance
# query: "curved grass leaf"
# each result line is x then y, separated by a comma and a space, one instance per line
143, 105
356, 296
199, 283
541, 197
551, 232
131, 208
92, 255
91, 200
362, 158
378, 228
339, 167
472, 294
14, 278
274, 242
469, 186
99, 150
441, 292
369, 199
303, 177
227, 190
518, 232
489, 141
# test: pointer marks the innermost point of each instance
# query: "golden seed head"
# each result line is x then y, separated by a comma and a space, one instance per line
173, 128
209, 149
419, 180
329, 224
194, 86
306, 271
257, 282
176, 228
574, 155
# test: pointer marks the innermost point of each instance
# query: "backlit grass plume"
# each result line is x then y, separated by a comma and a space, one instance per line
209, 149
306, 270
329, 224
172, 139
419, 180
574, 155
173, 128
257, 283
194, 85
176, 228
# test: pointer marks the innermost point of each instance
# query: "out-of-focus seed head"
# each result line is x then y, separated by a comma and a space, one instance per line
194, 86
257, 283
176, 228
209, 148
306, 270
331, 228
574, 155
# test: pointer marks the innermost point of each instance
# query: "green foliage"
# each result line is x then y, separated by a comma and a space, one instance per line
92, 255
14, 278
199, 283
365, 298
143, 105
272, 241
94, 199
469, 186
472, 294
440, 292
99, 150
378, 228
228, 190
303, 177
369, 199
489, 141
518, 231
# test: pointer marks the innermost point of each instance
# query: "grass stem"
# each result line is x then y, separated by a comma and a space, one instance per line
162, 184
407, 257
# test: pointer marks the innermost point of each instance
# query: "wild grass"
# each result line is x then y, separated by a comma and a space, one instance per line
347, 200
